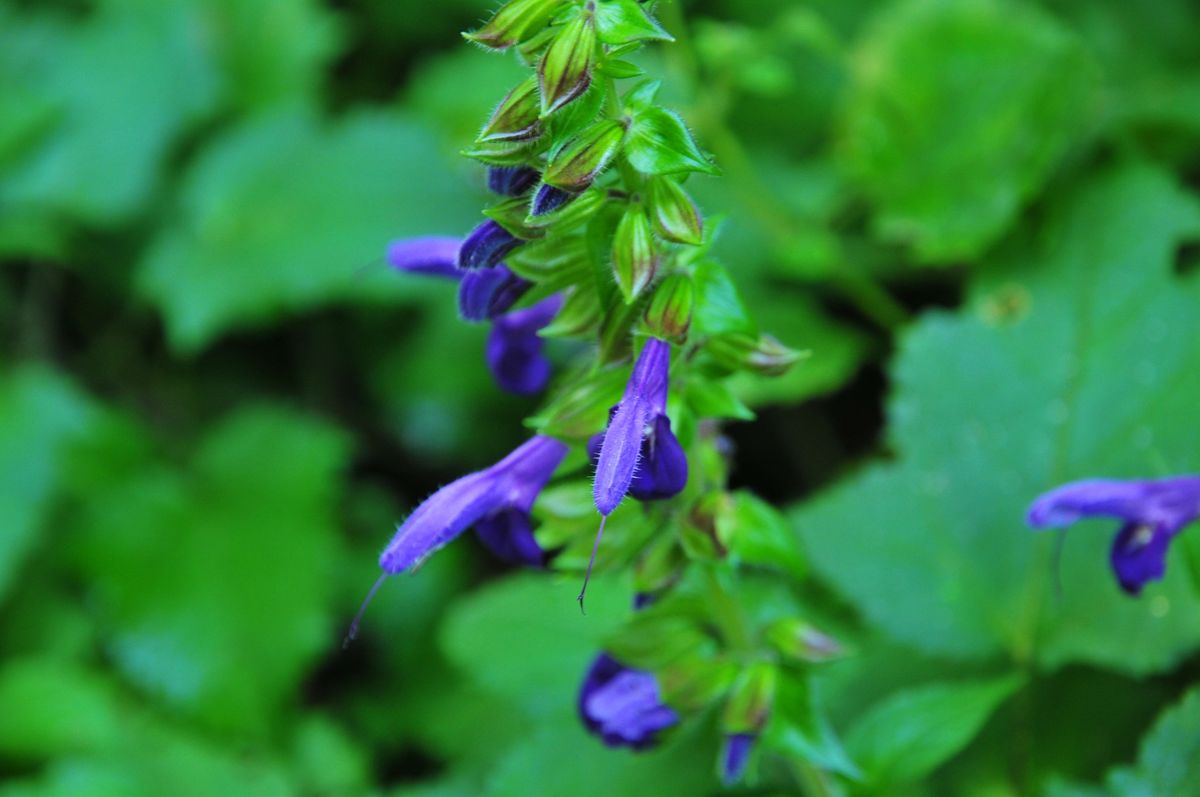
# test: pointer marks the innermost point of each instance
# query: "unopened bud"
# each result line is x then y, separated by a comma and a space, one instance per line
583, 158
772, 358
517, 117
670, 312
634, 259
742, 352
676, 216
548, 199
514, 22
799, 641
511, 180
693, 684
749, 704
486, 246
565, 71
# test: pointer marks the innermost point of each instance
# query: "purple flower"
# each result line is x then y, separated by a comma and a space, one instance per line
638, 452
486, 293
515, 349
486, 245
1153, 511
549, 199
622, 705
511, 180
499, 499
435, 256
735, 755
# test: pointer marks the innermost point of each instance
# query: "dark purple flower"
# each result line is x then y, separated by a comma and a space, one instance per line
638, 452
434, 255
486, 245
735, 755
485, 293
622, 705
1153, 511
515, 349
511, 180
549, 199
498, 498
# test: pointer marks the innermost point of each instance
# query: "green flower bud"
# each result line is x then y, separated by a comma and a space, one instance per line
516, 118
692, 684
634, 259
772, 358
741, 352
670, 312
514, 22
676, 216
749, 704
583, 158
800, 642
565, 71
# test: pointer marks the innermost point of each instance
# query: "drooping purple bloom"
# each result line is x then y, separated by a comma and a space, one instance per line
436, 256
515, 350
486, 293
549, 199
497, 501
1153, 511
511, 180
486, 245
622, 706
735, 755
638, 452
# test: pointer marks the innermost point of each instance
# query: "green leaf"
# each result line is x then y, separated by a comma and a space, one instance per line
41, 414
660, 143
710, 398
524, 637
214, 583
913, 732
758, 534
562, 759
1074, 358
53, 708
719, 308
799, 729
622, 21
99, 158
283, 213
1169, 759
958, 115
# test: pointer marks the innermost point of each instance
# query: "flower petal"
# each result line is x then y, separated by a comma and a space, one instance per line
489, 292
434, 255
1173, 502
1138, 555
440, 518
663, 469
515, 350
735, 756
509, 536
511, 180
622, 705
486, 245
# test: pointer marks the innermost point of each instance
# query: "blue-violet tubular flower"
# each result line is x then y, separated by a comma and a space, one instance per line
486, 245
515, 349
1153, 511
622, 706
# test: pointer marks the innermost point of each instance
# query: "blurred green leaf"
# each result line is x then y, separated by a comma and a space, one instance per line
799, 729
1169, 759
122, 82
52, 708
562, 759
41, 414
525, 638
215, 580
912, 732
285, 213
1070, 361
959, 112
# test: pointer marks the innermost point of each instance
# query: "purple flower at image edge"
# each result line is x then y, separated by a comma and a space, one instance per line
435, 256
622, 706
1153, 511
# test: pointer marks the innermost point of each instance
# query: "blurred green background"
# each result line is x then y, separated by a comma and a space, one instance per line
216, 399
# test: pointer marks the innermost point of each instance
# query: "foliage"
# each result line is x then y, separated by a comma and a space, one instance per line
216, 399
